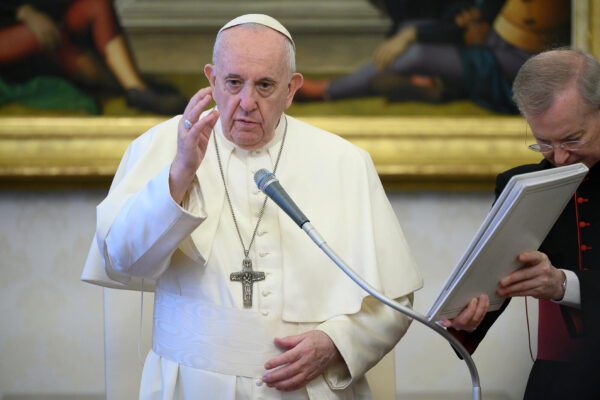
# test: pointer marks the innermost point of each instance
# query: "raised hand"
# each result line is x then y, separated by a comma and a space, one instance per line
192, 141
307, 356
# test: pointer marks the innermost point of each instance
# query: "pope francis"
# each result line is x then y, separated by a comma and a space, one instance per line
246, 307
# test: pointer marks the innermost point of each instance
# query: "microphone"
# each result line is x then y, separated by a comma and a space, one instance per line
269, 185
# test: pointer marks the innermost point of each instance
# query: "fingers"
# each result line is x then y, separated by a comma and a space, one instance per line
200, 94
446, 323
282, 359
192, 142
295, 374
538, 278
540, 287
462, 320
290, 382
530, 260
286, 343
517, 276
532, 257
197, 104
483, 305
200, 129
292, 366
289, 341
471, 316
310, 354
287, 371
205, 128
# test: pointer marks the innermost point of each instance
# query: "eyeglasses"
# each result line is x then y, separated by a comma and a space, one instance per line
571, 145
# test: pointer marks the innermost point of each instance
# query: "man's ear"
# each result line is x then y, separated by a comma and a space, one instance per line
209, 72
295, 84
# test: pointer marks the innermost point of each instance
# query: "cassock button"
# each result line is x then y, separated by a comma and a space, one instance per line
583, 224
265, 312
584, 247
582, 200
265, 293
263, 254
260, 233
258, 382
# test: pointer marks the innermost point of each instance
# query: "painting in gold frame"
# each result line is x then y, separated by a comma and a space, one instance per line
416, 152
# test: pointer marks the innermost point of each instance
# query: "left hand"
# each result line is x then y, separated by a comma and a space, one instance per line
471, 316
538, 278
307, 355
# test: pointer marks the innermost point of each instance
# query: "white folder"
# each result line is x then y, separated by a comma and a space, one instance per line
518, 221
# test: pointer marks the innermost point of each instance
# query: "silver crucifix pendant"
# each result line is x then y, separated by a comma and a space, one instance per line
247, 276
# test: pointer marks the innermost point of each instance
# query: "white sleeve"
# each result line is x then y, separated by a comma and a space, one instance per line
363, 339
149, 228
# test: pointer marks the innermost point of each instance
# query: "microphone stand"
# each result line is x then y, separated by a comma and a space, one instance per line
318, 239
269, 184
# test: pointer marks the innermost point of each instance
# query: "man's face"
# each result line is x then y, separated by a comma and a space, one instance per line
251, 84
568, 119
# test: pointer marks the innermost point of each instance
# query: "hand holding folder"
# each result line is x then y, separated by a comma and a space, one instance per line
518, 222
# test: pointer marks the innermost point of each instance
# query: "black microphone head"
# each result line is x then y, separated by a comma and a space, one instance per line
264, 178
269, 185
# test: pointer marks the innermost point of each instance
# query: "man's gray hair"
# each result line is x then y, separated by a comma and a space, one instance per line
289, 46
547, 74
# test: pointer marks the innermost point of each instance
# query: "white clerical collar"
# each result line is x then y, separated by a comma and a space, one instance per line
272, 145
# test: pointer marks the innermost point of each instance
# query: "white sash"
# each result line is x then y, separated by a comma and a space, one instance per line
219, 339
225, 340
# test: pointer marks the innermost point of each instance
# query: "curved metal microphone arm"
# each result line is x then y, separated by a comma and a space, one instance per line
268, 183
318, 239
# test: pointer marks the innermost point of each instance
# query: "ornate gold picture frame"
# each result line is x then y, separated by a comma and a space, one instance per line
419, 152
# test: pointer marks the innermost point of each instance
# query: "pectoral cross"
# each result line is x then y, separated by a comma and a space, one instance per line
247, 276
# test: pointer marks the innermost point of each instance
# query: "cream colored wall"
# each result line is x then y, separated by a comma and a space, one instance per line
51, 329
51, 338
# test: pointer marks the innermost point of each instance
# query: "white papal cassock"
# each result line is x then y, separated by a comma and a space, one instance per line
205, 343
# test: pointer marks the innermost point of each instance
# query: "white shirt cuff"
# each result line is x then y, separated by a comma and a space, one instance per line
572, 296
